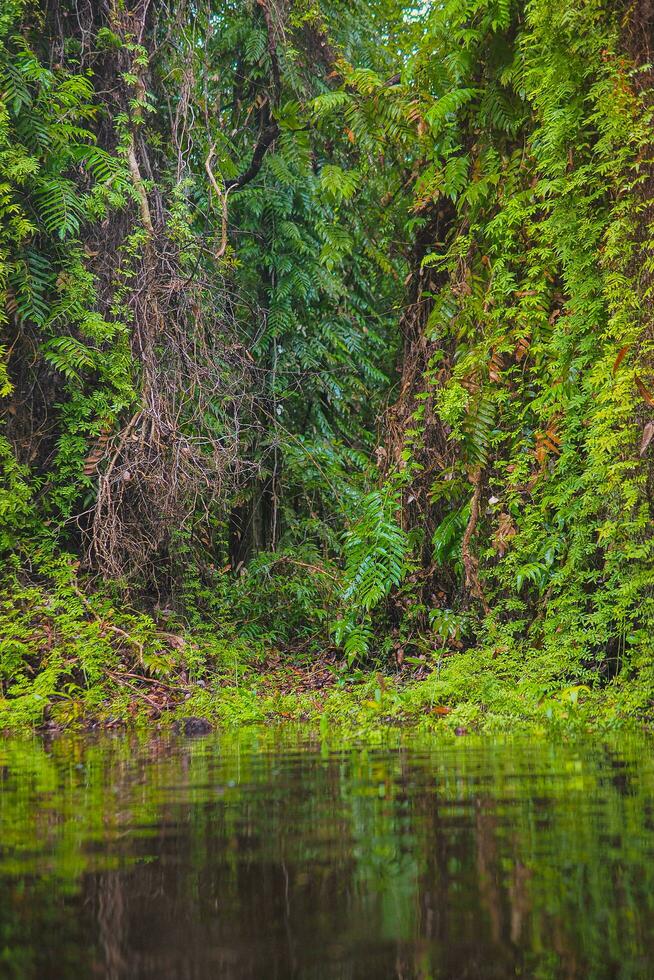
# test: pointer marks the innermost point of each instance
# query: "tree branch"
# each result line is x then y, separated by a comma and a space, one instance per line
139, 187
268, 135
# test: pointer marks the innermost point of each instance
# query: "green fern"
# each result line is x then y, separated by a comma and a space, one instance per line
478, 430
375, 552
446, 539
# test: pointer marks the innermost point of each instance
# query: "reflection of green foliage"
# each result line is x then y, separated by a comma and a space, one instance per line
549, 842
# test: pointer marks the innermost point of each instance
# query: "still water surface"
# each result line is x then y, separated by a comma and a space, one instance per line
265, 857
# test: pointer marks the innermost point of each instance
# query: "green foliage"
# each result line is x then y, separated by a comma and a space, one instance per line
375, 561
48, 297
536, 130
375, 548
446, 539
446, 206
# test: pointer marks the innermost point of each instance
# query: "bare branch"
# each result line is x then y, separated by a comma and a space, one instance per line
266, 139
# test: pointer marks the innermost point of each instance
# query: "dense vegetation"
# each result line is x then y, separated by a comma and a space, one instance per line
326, 343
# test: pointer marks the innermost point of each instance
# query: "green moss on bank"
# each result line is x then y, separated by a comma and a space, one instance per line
234, 686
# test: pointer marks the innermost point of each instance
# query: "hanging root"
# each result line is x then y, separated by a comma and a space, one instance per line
178, 459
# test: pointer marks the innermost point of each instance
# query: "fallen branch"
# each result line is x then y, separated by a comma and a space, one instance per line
305, 564
132, 687
147, 680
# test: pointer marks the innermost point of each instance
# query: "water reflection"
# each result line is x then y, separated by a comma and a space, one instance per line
258, 857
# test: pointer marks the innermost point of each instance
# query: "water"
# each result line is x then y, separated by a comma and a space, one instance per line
262, 857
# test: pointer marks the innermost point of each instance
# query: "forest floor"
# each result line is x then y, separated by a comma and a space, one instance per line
466, 695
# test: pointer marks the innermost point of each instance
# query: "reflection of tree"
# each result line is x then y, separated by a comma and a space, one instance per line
111, 924
487, 864
520, 904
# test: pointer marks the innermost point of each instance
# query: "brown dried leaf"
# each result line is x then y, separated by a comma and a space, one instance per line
619, 359
495, 367
522, 348
648, 433
506, 530
647, 395
96, 454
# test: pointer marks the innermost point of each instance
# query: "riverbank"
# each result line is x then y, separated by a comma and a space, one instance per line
76, 661
470, 692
